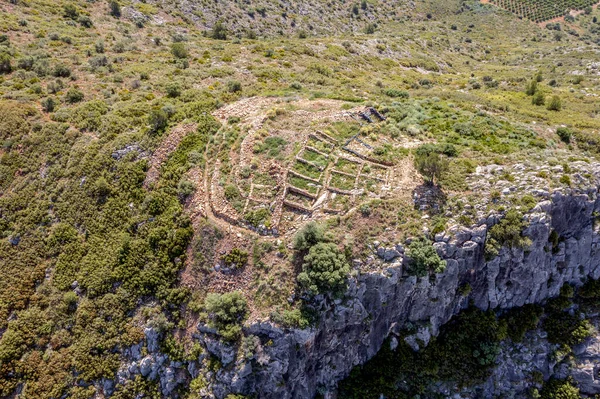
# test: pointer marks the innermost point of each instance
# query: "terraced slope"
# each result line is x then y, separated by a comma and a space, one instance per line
542, 10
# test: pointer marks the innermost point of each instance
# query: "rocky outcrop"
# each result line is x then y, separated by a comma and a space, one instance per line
300, 363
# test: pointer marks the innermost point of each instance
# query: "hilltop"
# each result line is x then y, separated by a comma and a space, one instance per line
175, 174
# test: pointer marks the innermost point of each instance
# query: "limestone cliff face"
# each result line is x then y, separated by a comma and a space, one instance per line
300, 363
297, 364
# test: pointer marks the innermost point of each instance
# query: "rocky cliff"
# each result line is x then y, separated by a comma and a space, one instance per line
301, 363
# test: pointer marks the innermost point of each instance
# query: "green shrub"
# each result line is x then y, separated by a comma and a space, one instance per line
325, 269
564, 134
179, 50
70, 11
464, 353
74, 95
520, 320
219, 31
233, 86
85, 21
531, 88
308, 236
158, 121
559, 389
562, 326
395, 93
226, 313
173, 89
295, 318
13, 120
423, 258
61, 71
115, 8
259, 217
509, 233
271, 145
590, 290
236, 258
538, 98
555, 104
185, 188
5, 63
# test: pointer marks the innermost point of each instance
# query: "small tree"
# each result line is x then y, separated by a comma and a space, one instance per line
424, 258
555, 104
325, 269
226, 313
179, 50
431, 166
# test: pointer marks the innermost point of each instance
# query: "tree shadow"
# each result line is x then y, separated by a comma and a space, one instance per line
429, 198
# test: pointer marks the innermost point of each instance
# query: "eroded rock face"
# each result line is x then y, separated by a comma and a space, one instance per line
299, 363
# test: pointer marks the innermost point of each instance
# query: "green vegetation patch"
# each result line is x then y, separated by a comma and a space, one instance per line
303, 184
315, 158
342, 181
307, 170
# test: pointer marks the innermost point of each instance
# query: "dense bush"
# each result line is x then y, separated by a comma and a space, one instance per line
538, 99
74, 95
564, 134
308, 236
61, 71
325, 269
5, 63
564, 327
233, 86
115, 8
226, 313
464, 352
559, 389
520, 320
70, 11
219, 31
173, 89
395, 93
236, 258
555, 104
158, 120
14, 121
179, 50
423, 258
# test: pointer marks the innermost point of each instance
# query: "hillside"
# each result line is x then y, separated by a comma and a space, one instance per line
189, 190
